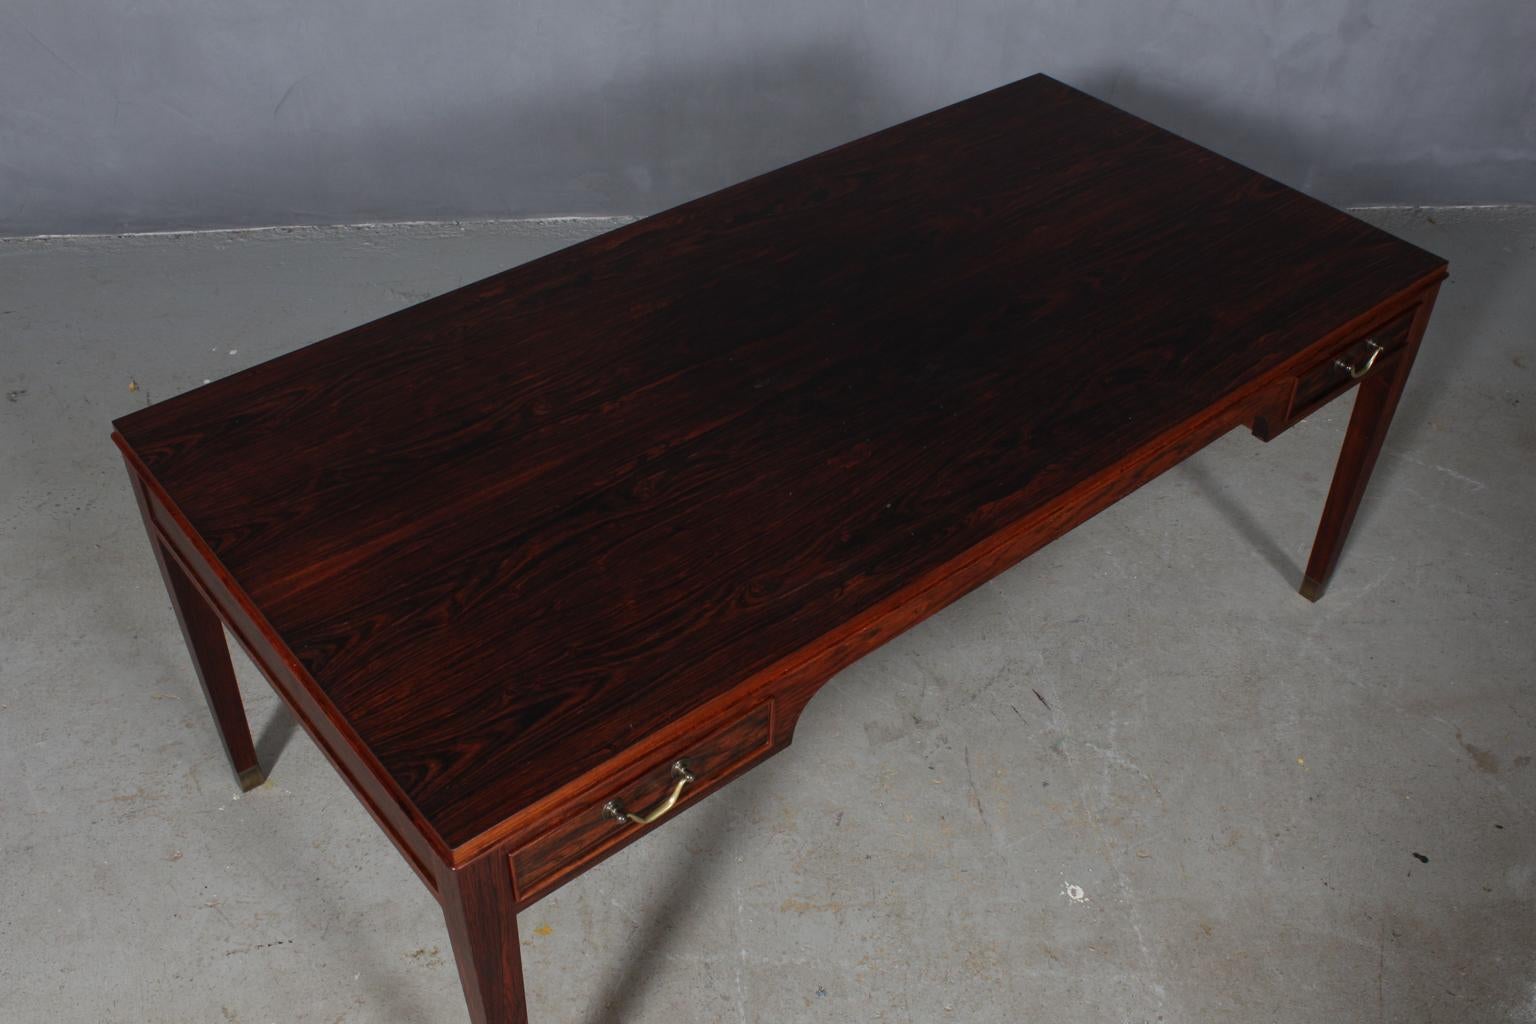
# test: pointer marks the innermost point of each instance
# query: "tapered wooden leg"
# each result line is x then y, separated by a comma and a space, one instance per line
204, 633
477, 902
1374, 405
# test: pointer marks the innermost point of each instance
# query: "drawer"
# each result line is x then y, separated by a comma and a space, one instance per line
601, 825
1332, 376
1335, 373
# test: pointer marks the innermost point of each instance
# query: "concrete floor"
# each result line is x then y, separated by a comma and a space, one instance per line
1135, 779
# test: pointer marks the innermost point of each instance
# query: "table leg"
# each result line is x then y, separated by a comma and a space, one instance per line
204, 634
482, 928
1375, 402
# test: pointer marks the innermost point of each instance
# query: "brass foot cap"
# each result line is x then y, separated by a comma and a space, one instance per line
1311, 589
251, 778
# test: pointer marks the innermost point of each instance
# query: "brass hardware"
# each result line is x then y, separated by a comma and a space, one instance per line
615, 810
1364, 368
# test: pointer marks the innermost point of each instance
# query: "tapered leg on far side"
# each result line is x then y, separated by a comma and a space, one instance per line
204, 633
1375, 403
482, 928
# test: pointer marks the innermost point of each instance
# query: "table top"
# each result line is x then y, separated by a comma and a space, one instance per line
514, 529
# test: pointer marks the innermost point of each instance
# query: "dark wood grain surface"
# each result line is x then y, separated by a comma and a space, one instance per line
513, 530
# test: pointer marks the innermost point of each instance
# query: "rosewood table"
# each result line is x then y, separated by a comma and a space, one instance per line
543, 561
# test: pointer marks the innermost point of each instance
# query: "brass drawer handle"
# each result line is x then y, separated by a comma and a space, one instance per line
1364, 368
615, 810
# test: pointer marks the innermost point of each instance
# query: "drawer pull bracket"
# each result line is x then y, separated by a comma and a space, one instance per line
615, 810
1364, 368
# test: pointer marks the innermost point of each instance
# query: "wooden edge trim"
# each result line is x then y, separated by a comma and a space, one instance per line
394, 821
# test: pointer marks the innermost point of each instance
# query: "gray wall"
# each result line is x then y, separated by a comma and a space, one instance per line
156, 114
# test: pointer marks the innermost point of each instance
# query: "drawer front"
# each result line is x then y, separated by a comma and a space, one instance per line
595, 829
1331, 377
